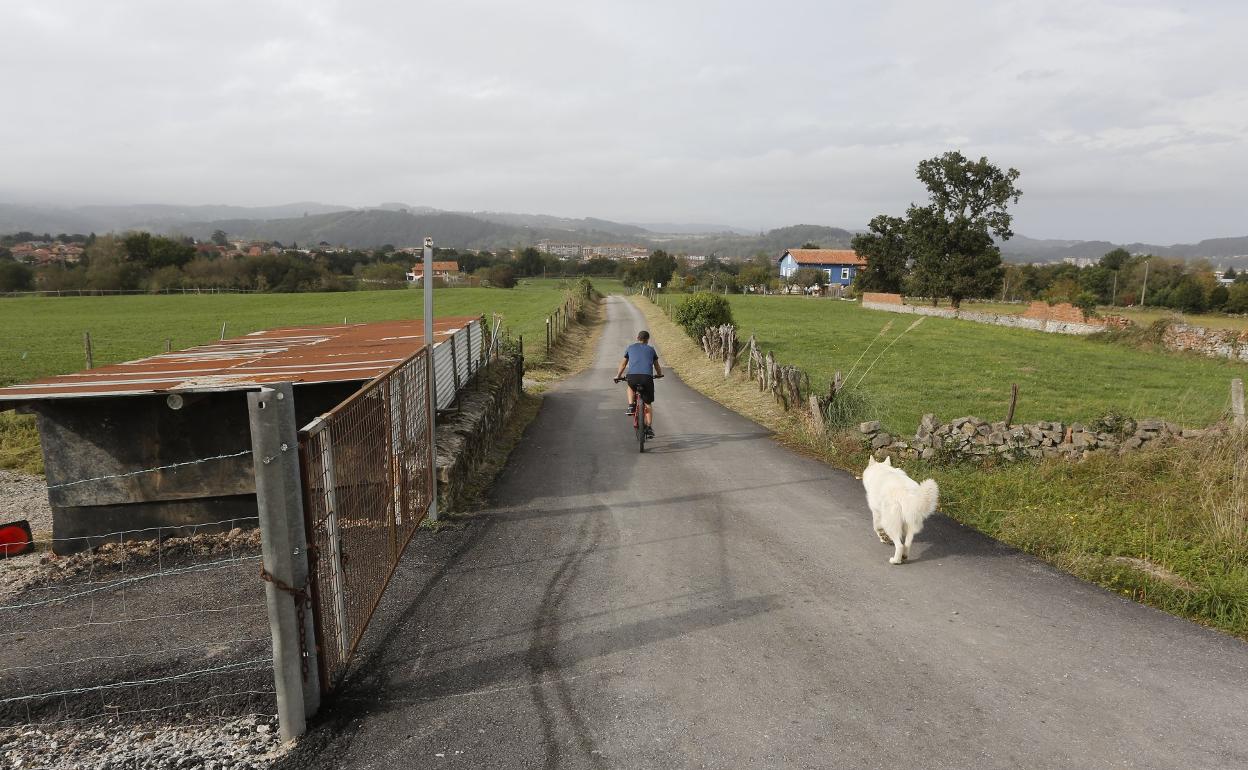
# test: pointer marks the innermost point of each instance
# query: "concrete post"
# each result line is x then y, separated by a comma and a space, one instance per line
279, 495
1237, 402
430, 373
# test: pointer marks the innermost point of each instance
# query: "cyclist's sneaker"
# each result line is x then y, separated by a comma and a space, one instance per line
631, 410
649, 432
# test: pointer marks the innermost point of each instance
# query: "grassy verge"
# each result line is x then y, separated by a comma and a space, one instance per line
1166, 527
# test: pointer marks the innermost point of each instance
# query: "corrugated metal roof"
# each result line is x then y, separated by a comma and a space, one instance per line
301, 354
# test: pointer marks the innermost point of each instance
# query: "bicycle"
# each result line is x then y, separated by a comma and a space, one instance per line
639, 412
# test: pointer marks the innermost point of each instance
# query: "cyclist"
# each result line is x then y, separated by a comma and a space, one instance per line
642, 363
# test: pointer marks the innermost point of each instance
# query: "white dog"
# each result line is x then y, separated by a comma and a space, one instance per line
898, 505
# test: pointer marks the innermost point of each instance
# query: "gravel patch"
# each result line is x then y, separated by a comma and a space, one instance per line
43, 568
23, 496
248, 743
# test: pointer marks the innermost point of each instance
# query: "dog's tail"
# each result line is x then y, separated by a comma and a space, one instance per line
931, 496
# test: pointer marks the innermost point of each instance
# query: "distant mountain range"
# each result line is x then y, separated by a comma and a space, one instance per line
400, 224
1023, 249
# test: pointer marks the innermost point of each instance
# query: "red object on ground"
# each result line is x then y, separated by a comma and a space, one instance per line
15, 539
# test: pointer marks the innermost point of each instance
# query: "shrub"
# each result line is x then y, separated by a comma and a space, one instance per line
501, 276
1237, 298
702, 310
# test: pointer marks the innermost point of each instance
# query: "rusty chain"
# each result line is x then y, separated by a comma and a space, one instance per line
302, 599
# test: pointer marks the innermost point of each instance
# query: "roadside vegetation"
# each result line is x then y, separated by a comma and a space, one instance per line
1167, 527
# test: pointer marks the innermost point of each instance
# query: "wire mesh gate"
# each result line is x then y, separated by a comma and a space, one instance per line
368, 481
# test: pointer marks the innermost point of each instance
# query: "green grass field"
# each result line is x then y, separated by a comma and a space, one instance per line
43, 336
955, 368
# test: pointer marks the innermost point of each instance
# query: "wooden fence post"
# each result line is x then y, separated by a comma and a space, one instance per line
90, 353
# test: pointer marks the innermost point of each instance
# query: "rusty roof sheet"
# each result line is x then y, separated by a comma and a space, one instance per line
300, 354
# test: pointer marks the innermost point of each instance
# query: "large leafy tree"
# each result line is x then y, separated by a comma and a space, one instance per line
659, 267
951, 239
529, 262
884, 249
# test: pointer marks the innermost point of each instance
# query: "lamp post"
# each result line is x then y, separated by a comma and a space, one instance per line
1144, 291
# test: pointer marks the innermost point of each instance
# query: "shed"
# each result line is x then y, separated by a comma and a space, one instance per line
163, 443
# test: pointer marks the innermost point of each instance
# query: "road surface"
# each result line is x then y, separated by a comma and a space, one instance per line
722, 602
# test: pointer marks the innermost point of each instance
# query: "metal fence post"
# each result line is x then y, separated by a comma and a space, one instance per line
279, 498
432, 381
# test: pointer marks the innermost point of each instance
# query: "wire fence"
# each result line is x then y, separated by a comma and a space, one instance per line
163, 624
127, 292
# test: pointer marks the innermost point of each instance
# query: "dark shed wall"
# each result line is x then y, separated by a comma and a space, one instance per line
97, 453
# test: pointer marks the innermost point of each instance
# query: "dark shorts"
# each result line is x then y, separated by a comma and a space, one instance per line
643, 384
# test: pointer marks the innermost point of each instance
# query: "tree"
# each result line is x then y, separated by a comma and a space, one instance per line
502, 276
1187, 295
659, 267
220, 238
951, 239
1237, 298
1218, 297
810, 245
809, 276
976, 192
16, 277
884, 249
529, 262
1229, 274
1114, 260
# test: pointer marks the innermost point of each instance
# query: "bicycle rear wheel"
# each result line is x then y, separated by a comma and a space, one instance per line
641, 424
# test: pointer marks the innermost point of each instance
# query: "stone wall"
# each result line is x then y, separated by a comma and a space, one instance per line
1216, 343
970, 438
1062, 318
466, 435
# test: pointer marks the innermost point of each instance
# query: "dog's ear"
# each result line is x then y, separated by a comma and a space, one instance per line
870, 460
888, 460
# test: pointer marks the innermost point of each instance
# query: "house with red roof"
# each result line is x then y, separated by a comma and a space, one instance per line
840, 265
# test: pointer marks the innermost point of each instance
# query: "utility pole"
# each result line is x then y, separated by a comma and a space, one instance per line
431, 379
1144, 291
1113, 298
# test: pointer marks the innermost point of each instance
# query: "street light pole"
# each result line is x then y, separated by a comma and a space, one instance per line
1144, 291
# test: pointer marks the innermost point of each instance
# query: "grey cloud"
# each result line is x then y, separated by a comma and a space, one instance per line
1128, 121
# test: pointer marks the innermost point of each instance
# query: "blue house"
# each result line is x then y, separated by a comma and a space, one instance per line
840, 265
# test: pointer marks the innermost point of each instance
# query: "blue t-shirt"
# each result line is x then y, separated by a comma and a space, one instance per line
641, 358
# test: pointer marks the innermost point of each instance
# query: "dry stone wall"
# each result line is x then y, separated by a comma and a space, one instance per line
970, 438
1062, 318
466, 434
1215, 343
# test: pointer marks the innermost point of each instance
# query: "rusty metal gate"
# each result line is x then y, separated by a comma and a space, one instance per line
367, 470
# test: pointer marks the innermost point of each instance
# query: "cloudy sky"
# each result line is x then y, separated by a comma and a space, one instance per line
1128, 120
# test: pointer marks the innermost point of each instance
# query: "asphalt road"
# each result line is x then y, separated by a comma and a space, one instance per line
723, 602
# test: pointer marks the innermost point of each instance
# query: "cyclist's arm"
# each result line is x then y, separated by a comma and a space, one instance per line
658, 370
623, 366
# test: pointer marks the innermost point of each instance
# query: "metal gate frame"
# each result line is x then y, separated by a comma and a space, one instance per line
368, 479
